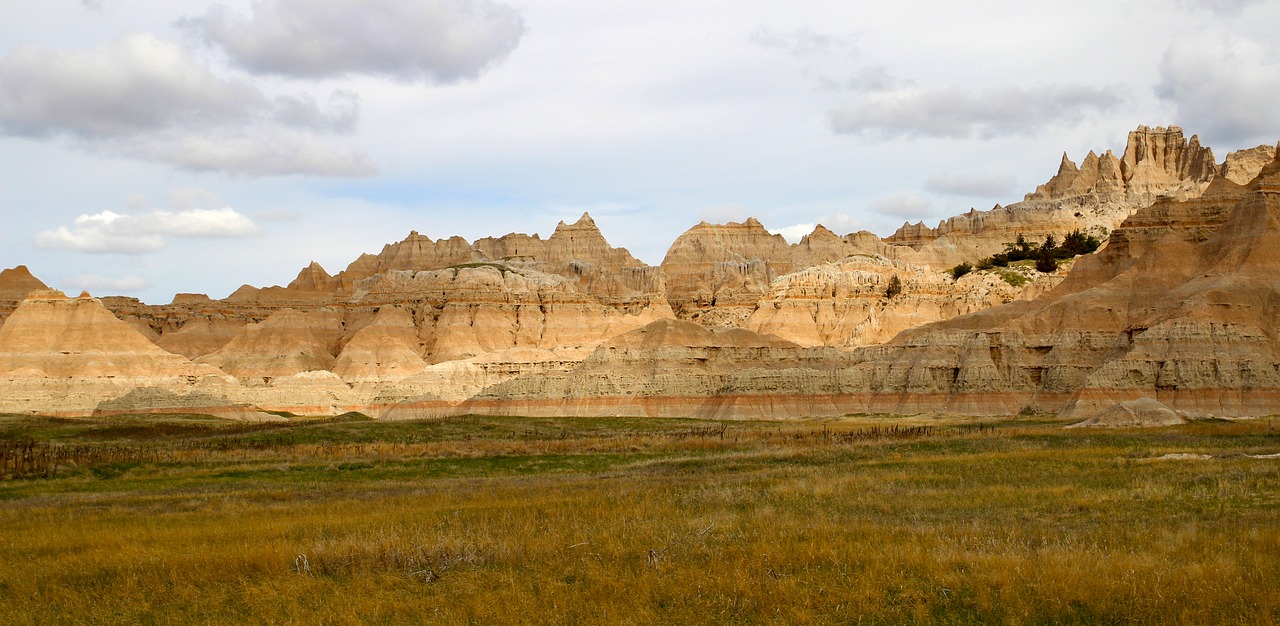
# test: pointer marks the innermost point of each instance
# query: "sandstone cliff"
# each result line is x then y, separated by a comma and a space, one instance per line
64, 355
716, 273
15, 284
1178, 307
1096, 196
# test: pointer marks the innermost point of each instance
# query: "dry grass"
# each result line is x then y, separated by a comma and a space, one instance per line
602, 522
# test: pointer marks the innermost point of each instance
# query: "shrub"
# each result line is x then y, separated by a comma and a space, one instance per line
1077, 243
1046, 264
961, 270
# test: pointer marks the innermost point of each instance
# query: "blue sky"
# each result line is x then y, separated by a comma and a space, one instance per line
148, 148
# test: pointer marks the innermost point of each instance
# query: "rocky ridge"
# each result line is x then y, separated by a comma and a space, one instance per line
571, 325
1095, 196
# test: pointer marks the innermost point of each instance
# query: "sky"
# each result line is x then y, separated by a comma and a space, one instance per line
149, 148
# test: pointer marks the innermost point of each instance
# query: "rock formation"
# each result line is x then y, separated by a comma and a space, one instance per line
15, 284
846, 303
716, 273
1177, 308
1095, 197
64, 355
1139, 413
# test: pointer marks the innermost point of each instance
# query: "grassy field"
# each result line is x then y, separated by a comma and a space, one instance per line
867, 519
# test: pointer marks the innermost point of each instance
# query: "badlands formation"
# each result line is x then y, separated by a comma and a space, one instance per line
1174, 317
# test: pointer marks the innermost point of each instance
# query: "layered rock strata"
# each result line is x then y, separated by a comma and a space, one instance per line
65, 355
15, 284
1177, 307
1095, 196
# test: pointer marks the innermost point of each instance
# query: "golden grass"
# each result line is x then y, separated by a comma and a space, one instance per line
770, 524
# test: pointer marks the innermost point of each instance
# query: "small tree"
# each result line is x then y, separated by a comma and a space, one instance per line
1045, 263
895, 287
961, 270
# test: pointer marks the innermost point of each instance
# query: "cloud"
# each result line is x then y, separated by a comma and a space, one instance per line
268, 152
980, 185
437, 41
1225, 86
137, 83
93, 283
793, 233
137, 234
144, 97
193, 198
1220, 7
904, 204
908, 110
801, 42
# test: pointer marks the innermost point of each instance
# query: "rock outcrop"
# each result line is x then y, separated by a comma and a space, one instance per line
15, 284
1094, 197
1178, 308
1139, 413
63, 355
848, 303
716, 273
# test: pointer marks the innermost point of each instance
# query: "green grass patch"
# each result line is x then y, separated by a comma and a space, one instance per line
878, 519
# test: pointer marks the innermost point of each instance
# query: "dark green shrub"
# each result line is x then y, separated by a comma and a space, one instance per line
961, 270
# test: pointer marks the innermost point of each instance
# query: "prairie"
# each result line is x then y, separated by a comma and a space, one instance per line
866, 519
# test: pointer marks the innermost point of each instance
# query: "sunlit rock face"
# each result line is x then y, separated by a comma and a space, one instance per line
736, 322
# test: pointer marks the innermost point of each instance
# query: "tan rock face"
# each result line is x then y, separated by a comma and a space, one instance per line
716, 273
60, 354
1177, 307
1140, 413
15, 284
286, 343
1242, 166
468, 311
388, 349
1095, 197
846, 304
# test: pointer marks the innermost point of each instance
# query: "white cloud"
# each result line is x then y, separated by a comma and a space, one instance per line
1224, 86
793, 233
980, 185
952, 111
143, 97
93, 283
136, 234
801, 42
904, 204
137, 83
431, 40
271, 151
1220, 7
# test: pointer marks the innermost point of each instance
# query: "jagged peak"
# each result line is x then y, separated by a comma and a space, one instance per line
19, 281
820, 229
820, 232
584, 223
